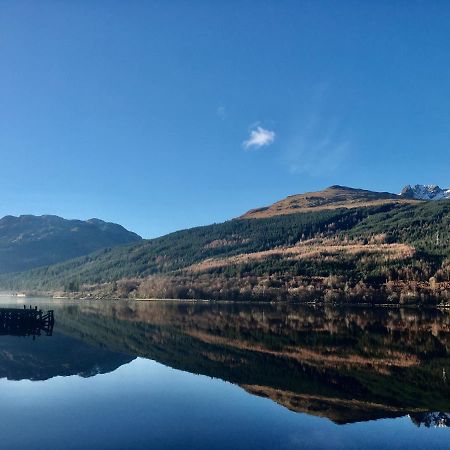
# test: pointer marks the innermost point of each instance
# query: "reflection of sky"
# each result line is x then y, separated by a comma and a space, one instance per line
147, 405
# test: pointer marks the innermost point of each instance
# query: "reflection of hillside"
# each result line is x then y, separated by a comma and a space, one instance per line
54, 356
344, 364
340, 410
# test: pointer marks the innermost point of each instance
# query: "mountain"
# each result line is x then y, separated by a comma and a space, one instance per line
33, 241
331, 198
425, 192
357, 246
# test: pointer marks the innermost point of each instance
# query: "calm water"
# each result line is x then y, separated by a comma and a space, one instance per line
167, 375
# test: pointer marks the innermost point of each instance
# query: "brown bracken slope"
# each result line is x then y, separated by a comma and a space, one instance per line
330, 198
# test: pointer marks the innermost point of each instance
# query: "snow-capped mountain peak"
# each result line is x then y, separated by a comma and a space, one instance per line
425, 192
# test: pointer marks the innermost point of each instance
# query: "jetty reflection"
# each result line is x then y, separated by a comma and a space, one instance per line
26, 321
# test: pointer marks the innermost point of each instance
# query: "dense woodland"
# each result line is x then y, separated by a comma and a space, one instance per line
391, 252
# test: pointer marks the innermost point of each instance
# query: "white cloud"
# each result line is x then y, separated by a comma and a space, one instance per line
259, 137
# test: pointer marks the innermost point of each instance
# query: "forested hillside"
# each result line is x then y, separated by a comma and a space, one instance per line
181, 249
390, 251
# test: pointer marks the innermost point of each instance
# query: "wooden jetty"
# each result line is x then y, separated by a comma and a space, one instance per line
26, 321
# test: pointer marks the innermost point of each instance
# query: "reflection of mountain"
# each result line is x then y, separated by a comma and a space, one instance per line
344, 364
431, 419
47, 357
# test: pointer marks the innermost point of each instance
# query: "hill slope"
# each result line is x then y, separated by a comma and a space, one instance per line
382, 249
330, 198
33, 241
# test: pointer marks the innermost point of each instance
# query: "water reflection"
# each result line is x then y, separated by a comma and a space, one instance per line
345, 364
61, 355
431, 419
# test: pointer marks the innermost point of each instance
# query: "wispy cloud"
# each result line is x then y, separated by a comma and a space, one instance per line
221, 112
319, 143
259, 137
316, 149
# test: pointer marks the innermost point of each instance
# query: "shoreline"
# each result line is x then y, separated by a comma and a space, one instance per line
319, 303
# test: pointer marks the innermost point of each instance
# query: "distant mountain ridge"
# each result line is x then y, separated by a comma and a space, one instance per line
425, 192
29, 241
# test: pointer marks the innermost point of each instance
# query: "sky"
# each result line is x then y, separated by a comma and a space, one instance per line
163, 115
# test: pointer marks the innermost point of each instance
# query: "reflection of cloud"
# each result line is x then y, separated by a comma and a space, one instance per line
259, 137
221, 112
317, 147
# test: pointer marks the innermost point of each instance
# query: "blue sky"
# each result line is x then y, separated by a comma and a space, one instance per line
163, 115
